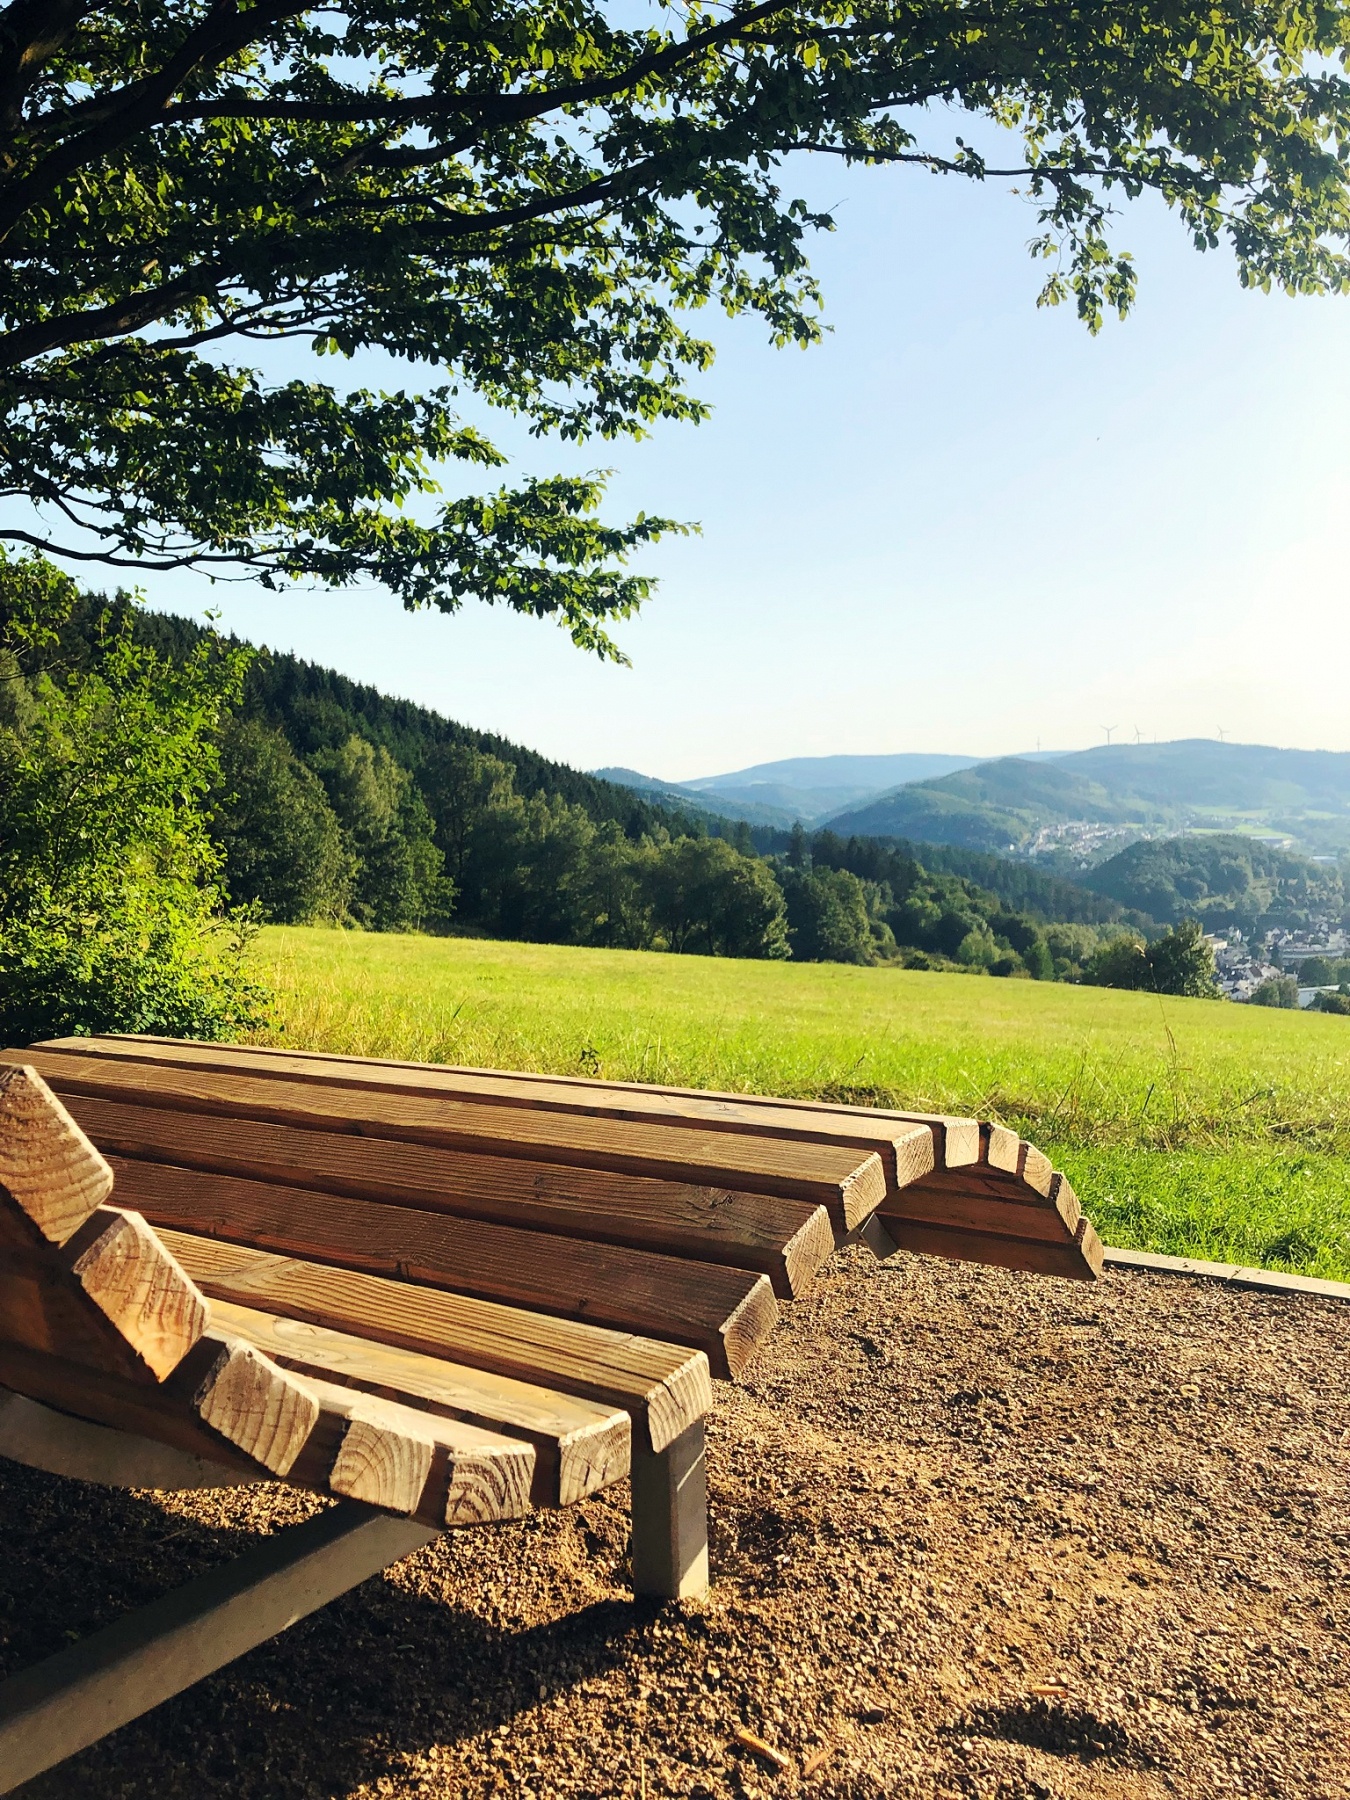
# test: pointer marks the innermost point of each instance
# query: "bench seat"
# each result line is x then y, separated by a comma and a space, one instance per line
446, 1296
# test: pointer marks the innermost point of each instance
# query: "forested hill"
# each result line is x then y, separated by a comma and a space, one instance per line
316, 709
329, 802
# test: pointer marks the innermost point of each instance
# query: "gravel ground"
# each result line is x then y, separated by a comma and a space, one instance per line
975, 1534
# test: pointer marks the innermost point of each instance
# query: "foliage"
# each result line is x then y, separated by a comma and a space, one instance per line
1019, 885
1332, 1003
1179, 962
527, 202
706, 897
1323, 971
111, 913
1222, 879
1280, 990
833, 916
389, 834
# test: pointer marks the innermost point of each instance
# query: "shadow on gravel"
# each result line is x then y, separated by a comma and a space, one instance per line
333, 1704
1054, 1727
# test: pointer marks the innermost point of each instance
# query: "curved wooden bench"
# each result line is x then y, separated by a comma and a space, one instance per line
440, 1296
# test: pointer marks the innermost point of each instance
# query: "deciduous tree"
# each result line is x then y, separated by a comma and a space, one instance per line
524, 200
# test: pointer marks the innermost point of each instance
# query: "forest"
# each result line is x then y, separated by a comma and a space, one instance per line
166, 791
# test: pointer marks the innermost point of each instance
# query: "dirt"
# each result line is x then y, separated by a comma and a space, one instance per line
974, 1534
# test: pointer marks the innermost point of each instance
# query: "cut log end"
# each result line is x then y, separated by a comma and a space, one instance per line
382, 1466
257, 1407
915, 1155
805, 1254
748, 1327
139, 1287
863, 1192
481, 1488
48, 1167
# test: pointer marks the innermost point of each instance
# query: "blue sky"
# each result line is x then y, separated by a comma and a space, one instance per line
961, 524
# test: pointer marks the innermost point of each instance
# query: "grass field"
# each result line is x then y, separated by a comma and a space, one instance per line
1188, 1126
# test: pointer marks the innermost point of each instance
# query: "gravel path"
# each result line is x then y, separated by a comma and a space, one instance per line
975, 1534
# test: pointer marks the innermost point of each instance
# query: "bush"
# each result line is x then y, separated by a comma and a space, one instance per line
1280, 990
112, 916
1332, 1003
1180, 962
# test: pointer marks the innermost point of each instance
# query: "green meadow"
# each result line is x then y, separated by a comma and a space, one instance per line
1191, 1127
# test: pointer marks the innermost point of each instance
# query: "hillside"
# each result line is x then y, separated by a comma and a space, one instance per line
1221, 879
1016, 805
812, 788
805, 789
995, 806
317, 708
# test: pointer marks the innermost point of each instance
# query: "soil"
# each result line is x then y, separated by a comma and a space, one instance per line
974, 1534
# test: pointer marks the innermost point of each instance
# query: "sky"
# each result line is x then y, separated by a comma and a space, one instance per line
961, 524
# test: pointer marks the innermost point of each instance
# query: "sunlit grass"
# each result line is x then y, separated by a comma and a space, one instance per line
1189, 1126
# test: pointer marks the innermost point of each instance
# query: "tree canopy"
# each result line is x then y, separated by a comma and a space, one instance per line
524, 200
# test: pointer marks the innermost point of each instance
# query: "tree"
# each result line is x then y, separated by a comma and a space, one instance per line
112, 916
398, 882
707, 899
1179, 962
282, 844
1279, 990
828, 915
528, 201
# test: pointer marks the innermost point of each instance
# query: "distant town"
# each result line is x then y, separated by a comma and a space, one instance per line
1243, 965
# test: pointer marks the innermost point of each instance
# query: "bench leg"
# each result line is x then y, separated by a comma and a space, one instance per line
670, 1519
878, 1240
62, 1705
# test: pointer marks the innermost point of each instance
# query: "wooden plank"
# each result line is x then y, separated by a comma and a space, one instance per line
837, 1176
1080, 1260
1035, 1168
906, 1146
83, 1280
1002, 1148
229, 1405
726, 1313
223, 1402
788, 1240
49, 1171
580, 1446
407, 1460
664, 1386
76, 1697
1023, 1214
110, 1296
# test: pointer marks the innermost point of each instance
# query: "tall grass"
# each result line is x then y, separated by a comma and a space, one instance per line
1189, 1126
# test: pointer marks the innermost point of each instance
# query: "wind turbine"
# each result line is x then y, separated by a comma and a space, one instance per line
1108, 729
1137, 734
1223, 735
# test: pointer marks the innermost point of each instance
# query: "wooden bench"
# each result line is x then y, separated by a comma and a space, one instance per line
442, 1297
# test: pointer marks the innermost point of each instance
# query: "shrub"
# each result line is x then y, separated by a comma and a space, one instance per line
1280, 990
112, 917
1179, 962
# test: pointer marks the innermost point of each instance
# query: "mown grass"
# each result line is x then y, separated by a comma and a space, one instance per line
1191, 1127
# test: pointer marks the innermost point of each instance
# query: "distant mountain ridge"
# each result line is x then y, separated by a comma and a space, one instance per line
1071, 807
805, 789
1012, 805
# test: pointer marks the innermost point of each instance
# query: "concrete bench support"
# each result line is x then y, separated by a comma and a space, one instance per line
670, 1519
79, 1695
